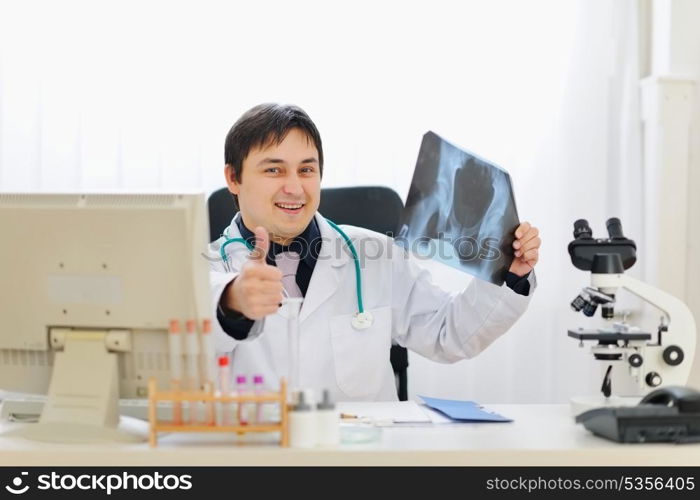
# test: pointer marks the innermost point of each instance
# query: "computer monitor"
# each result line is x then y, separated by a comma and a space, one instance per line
90, 283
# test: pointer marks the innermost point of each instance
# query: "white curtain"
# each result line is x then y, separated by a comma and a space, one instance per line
140, 95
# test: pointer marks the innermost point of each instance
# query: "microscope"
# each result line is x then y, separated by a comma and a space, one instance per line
653, 359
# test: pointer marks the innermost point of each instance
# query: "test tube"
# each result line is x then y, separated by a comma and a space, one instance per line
190, 356
208, 354
208, 362
293, 308
175, 349
224, 389
241, 391
192, 373
258, 390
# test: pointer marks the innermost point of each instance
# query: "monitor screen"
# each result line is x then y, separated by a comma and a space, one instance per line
92, 280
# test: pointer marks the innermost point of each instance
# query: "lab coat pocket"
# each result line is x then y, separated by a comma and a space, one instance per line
361, 357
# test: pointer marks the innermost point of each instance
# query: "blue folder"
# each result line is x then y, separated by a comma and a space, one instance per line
463, 411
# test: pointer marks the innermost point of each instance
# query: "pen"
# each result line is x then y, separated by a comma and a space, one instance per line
357, 419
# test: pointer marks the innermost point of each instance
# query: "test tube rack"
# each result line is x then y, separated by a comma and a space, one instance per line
210, 398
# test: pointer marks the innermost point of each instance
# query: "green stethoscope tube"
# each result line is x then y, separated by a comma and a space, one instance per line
233, 240
358, 275
353, 251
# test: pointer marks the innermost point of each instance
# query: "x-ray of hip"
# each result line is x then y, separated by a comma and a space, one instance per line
460, 210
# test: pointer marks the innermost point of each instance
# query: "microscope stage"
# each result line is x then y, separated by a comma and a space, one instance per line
611, 336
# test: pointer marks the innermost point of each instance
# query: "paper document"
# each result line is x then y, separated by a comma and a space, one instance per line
384, 412
463, 411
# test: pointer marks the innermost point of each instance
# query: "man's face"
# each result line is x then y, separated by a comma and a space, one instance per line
280, 186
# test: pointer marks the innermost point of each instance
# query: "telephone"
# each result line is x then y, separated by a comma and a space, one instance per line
670, 414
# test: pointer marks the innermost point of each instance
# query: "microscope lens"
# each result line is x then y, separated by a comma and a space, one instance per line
578, 303
589, 309
608, 312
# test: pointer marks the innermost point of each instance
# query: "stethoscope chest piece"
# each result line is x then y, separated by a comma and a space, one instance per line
362, 320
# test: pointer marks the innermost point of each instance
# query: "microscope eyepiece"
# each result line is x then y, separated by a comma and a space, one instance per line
614, 228
582, 230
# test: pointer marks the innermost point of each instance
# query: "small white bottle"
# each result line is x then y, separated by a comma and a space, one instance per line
328, 421
302, 424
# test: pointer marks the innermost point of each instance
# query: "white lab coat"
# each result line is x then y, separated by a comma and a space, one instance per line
408, 309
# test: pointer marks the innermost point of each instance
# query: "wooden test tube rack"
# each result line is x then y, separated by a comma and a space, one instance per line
211, 399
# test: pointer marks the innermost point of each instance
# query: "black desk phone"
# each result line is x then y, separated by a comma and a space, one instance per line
670, 414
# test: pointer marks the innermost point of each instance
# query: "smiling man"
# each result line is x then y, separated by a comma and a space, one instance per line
274, 165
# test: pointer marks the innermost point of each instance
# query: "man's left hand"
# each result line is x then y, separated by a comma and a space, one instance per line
527, 249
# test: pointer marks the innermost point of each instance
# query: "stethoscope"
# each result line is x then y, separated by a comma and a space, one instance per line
362, 319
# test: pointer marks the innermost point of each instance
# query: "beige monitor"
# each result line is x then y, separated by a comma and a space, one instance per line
90, 283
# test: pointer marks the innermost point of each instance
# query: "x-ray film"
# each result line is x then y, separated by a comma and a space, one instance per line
460, 210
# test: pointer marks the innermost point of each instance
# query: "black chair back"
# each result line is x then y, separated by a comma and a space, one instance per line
376, 208
222, 207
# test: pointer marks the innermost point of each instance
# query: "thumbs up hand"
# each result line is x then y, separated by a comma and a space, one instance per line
257, 290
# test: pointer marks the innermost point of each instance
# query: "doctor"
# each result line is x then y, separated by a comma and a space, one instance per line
274, 165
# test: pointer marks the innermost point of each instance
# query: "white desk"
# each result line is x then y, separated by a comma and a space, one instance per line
540, 435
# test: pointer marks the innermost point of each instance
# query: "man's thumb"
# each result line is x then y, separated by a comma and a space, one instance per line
262, 244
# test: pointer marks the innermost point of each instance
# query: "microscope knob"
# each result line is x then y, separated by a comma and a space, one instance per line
653, 379
635, 360
673, 355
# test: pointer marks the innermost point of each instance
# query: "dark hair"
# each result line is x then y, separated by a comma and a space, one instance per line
261, 126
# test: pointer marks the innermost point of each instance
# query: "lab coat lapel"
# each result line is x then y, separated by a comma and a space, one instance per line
326, 276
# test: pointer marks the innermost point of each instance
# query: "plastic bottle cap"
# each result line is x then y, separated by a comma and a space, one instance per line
302, 405
206, 326
223, 361
240, 379
257, 379
327, 402
190, 326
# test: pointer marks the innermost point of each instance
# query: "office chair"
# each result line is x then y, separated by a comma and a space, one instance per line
375, 208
